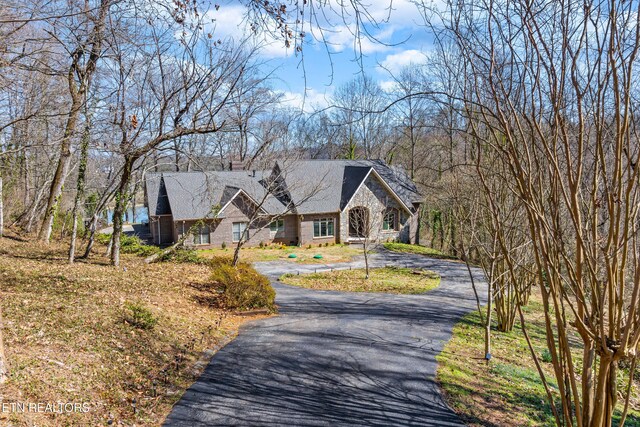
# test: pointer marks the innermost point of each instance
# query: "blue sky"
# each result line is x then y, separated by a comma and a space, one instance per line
405, 40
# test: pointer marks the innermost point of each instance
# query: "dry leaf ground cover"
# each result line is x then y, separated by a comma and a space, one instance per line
394, 280
508, 392
69, 337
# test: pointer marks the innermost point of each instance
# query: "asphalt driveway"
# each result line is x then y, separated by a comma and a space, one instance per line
335, 358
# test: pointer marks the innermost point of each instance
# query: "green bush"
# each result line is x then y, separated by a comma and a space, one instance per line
242, 286
546, 356
185, 256
139, 316
63, 224
130, 245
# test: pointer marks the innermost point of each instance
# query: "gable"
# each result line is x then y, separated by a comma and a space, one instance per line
373, 185
243, 202
353, 178
163, 207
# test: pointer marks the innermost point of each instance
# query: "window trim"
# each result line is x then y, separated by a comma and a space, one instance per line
242, 231
326, 220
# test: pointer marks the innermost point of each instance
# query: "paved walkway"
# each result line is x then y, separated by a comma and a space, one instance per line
335, 358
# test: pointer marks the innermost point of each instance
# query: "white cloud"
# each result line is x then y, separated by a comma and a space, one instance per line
228, 22
396, 61
388, 85
343, 37
399, 12
308, 103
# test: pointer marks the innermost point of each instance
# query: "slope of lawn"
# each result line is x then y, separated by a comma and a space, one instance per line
303, 255
91, 333
507, 391
416, 249
394, 280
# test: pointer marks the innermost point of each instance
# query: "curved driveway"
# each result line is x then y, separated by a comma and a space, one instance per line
335, 358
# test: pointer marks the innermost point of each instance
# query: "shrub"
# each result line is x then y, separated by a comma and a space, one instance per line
130, 245
242, 286
546, 356
103, 238
224, 245
261, 245
139, 316
184, 255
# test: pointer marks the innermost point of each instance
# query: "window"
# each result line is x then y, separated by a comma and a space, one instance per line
201, 235
323, 227
277, 226
239, 229
389, 220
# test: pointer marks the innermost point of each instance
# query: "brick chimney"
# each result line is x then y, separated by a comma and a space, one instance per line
236, 165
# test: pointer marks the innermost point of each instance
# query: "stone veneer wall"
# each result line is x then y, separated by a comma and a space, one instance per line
376, 198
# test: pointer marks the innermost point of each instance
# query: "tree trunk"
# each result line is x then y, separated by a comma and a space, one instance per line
84, 154
487, 325
92, 235
366, 261
94, 222
1, 210
606, 393
236, 254
587, 381
61, 171
4, 370
118, 210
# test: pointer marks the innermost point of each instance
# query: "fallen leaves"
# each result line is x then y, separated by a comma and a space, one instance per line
66, 342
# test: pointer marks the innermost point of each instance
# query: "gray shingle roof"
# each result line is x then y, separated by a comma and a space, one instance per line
193, 195
322, 186
314, 186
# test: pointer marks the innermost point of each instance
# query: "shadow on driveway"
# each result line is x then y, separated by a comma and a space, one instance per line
335, 358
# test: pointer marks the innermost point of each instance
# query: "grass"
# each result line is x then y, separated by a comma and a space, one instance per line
392, 280
507, 391
304, 255
417, 249
89, 332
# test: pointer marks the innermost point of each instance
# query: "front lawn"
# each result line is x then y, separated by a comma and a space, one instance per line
417, 249
303, 255
393, 280
507, 391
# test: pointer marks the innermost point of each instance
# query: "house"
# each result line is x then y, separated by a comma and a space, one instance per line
300, 202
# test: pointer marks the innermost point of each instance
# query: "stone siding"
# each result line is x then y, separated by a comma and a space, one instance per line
373, 196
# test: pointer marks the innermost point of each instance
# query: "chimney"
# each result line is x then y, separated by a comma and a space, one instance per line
236, 165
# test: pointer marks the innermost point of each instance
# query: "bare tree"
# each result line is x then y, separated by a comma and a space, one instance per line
166, 89
84, 56
550, 92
